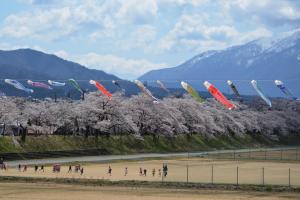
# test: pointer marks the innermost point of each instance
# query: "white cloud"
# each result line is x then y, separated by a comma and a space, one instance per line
101, 34
47, 24
37, 2
191, 33
137, 11
131, 23
184, 2
289, 12
55, 20
260, 32
62, 54
123, 67
265, 12
119, 66
143, 37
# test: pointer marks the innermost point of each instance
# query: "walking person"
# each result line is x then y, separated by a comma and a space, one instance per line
125, 171
70, 169
42, 168
165, 170
36, 167
1, 163
77, 168
109, 170
153, 172
25, 168
145, 172
19, 167
141, 171
81, 171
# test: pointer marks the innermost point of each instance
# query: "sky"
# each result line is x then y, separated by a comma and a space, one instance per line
130, 37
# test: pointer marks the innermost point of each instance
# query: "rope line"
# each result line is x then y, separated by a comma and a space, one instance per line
164, 80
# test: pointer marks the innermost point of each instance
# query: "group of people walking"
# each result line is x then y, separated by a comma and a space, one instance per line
79, 169
143, 172
55, 168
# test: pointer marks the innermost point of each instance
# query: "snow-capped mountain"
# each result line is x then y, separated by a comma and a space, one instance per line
264, 59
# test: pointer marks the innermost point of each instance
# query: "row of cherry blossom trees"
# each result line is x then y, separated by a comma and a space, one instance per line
138, 115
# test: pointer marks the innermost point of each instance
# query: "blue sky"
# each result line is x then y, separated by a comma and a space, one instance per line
130, 37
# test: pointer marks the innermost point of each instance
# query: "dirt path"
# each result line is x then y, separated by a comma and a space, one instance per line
29, 191
107, 158
200, 170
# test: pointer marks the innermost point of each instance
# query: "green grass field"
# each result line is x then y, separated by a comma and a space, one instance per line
128, 144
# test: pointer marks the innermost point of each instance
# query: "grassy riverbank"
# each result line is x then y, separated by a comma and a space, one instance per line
129, 144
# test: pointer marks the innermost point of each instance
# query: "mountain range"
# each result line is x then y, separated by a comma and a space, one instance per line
264, 59
24, 64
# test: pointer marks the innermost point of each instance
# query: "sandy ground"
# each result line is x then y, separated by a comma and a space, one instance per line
198, 170
29, 191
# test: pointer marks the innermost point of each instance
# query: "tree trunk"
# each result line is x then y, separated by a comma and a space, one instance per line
23, 134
